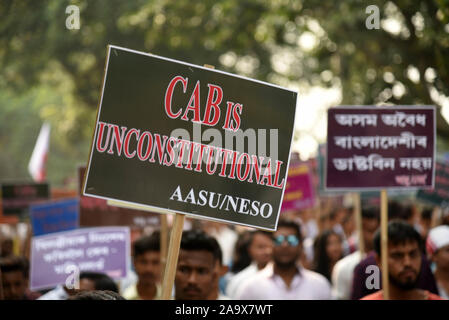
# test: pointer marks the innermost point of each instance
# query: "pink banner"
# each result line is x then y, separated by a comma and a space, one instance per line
299, 192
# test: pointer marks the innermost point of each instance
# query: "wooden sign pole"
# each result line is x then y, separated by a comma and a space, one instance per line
172, 258
16, 240
358, 221
164, 243
173, 249
26, 249
384, 242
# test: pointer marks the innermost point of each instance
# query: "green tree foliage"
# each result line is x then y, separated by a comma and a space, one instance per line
292, 43
402, 62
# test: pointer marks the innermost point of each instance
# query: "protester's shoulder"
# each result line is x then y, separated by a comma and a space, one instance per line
315, 277
130, 293
351, 259
342, 274
378, 296
57, 293
368, 260
433, 296
46, 296
258, 276
237, 279
374, 296
251, 269
253, 285
354, 257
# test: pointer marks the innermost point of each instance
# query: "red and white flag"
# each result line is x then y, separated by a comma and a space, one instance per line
38, 161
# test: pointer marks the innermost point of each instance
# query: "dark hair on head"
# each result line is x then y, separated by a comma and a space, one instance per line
13, 264
370, 213
147, 243
426, 214
333, 213
241, 258
321, 261
399, 232
197, 239
398, 211
101, 281
261, 232
96, 295
287, 223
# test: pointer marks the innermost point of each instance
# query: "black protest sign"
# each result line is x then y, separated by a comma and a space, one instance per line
17, 197
95, 212
191, 140
371, 147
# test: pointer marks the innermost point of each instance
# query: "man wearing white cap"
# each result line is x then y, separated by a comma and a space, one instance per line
438, 248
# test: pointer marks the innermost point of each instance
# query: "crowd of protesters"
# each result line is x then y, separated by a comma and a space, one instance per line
315, 254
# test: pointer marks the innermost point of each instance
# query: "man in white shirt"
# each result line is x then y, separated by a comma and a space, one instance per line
146, 259
283, 279
343, 272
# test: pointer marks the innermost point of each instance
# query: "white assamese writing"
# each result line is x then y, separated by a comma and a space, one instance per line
406, 139
356, 119
402, 119
375, 161
362, 163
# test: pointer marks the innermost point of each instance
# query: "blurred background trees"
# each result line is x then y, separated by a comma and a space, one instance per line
49, 72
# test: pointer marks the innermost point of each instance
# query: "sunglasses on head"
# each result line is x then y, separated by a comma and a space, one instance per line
292, 240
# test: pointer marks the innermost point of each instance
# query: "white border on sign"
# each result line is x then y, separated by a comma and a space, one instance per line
86, 172
415, 188
200, 67
286, 170
160, 209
